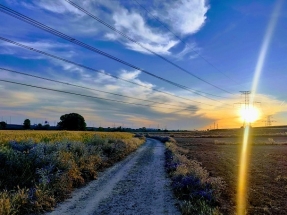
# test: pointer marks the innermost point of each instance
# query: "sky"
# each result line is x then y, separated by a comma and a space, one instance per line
187, 60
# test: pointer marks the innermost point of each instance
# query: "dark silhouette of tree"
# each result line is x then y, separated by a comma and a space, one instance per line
39, 126
27, 124
3, 125
101, 129
46, 127
72, 121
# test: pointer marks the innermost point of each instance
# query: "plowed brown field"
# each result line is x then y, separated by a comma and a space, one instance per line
267, 187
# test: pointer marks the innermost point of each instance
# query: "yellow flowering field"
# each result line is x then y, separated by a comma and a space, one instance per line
57, 136
35, 177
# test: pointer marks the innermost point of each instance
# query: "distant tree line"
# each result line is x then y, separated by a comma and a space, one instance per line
71, 122
75, 122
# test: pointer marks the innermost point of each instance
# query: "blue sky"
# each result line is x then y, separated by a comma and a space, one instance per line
222, 42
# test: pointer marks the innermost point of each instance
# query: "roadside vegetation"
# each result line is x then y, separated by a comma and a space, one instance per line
197, 191
38, 169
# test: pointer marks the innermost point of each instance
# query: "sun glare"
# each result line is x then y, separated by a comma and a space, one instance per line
249, 115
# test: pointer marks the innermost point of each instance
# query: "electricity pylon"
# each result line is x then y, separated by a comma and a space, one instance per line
246, 104
268, 121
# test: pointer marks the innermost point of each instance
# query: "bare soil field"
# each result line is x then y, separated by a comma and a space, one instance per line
267, 187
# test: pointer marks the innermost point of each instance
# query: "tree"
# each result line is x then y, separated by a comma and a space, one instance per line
101, 129
46, 126
3, 125
72, 121
39, 126
27, 124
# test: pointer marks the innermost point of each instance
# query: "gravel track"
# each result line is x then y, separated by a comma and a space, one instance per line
136, 185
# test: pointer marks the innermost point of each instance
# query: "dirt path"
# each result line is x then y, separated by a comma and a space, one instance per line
136, 185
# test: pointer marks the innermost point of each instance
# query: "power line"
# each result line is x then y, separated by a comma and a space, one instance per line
82, 87
98, 71
37, 24
70, 39
144, 47
83, 95
182, 41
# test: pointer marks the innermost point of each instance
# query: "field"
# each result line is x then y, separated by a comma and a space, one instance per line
56, 136
267, 188
40, 168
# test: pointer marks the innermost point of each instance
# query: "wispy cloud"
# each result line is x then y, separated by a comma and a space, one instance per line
134, 25
186, 16
43, 45
57, 6
190, 51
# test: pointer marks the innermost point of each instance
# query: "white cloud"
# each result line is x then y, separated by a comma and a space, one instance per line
186, 16
157, 48
134, 25
190, 50
44, 45
133, 76
57, 6
103, 78
129, 75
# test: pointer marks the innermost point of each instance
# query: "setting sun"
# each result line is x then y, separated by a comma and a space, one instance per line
249, 115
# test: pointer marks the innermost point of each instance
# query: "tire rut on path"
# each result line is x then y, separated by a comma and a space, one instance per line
136, 185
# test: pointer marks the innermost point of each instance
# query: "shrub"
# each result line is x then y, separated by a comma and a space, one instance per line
197, 191
42, 174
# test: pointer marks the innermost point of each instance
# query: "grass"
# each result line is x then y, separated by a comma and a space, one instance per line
196, 190
40, 168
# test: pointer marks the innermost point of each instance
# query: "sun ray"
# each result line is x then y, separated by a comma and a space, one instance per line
243, 167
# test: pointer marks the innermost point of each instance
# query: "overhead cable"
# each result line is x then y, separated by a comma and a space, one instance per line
144, 47
87, 88
37, 24
182, 41
94, 70
87, 96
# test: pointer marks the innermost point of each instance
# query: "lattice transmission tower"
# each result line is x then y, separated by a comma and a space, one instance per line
246, 104
268, 121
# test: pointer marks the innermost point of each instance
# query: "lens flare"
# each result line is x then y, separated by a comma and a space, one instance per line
243, 167
249, 115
